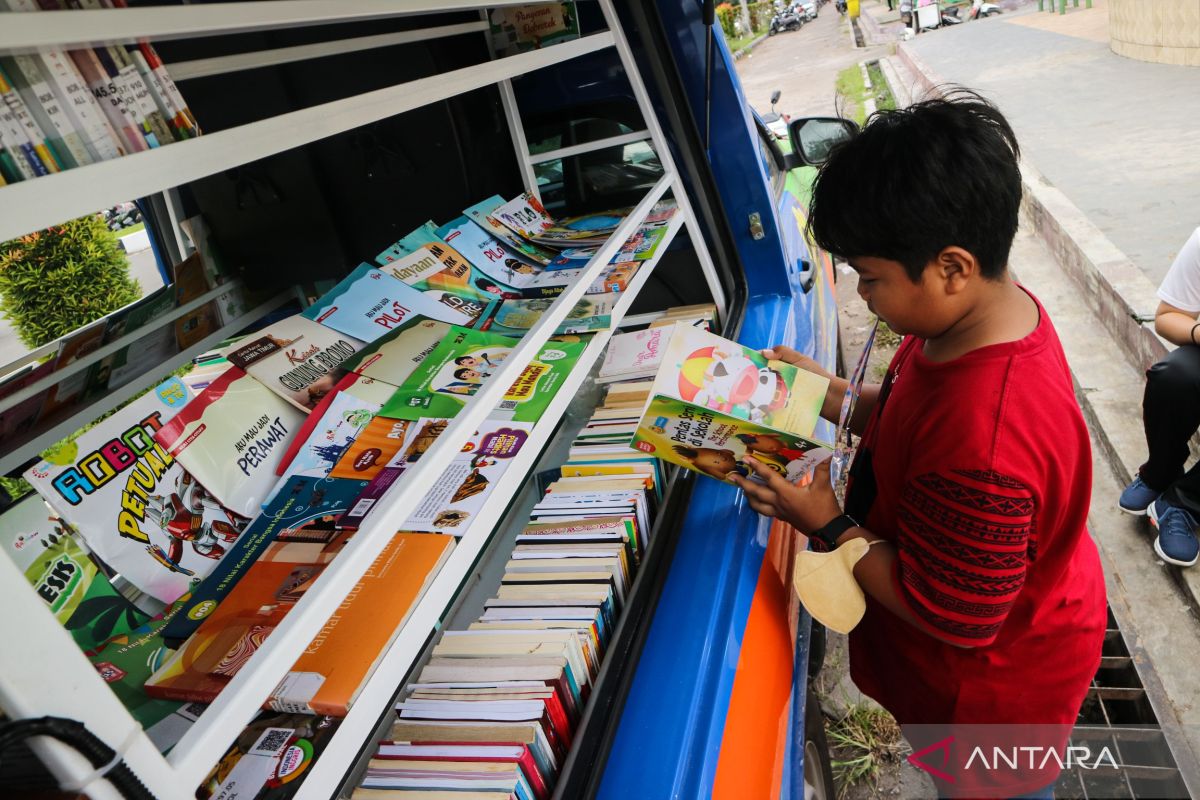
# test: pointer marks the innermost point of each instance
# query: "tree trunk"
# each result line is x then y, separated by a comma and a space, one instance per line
746, 17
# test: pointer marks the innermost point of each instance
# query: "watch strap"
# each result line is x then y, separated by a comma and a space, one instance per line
828, 533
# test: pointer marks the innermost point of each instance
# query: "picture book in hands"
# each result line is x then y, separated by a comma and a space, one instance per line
715, 402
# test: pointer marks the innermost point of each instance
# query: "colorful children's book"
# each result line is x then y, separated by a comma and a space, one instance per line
438, 268
296, 358
464, 359
591, 313
634, 355
328, 677
268, 758
20, 418
716, 444
369, 302
372, 449
641, 246
481, 213
132, 504
461, 491
524, 215
488, 254
393, 357
231, 437
519, 29
125, 664
301, 516
60, 571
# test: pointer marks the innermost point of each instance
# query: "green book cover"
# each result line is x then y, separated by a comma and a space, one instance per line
456, 369
716, 444
62, 574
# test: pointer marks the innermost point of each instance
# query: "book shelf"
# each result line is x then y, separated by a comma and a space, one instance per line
64, 683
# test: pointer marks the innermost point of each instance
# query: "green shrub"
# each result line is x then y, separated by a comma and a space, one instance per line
726, 14
60, 279
760, 15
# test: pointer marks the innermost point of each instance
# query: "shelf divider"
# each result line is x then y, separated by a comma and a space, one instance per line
25, 32
13, 458
38, 203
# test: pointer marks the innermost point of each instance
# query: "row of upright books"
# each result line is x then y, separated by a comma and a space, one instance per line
496, 709
61, 109
198, 515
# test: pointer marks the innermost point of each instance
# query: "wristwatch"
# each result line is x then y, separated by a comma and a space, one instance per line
828, 533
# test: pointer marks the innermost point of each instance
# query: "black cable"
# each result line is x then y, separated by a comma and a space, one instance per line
73, 733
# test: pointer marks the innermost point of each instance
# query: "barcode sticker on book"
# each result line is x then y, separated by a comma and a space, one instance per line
361, 508
272, 742
295, 692
507, 405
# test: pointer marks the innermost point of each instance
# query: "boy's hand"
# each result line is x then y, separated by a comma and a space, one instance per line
806, 508
790, 356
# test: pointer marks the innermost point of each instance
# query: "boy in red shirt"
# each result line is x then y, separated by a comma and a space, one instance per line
985, 596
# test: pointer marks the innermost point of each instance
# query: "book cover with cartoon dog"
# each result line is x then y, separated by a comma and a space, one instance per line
714, 402
706, 370
456, 369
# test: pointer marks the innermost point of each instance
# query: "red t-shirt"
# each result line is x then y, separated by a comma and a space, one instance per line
982, 480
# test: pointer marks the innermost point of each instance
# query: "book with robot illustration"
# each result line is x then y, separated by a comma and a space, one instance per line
133, 505
714, 402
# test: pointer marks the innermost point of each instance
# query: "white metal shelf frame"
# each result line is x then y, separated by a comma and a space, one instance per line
35, 204
13, 458
24, 32
339, 754
189, 762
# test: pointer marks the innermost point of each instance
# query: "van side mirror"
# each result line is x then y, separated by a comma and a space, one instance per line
775, 95
813, 137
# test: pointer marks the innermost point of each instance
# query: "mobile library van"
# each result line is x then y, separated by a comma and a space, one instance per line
503, 143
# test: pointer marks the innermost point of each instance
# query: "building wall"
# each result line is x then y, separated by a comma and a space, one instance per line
1165, 31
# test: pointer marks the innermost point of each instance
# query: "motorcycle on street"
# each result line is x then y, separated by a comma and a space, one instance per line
786, 18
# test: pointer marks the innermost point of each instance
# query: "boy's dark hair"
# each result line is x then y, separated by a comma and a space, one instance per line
461, 374
914, 181
461, 359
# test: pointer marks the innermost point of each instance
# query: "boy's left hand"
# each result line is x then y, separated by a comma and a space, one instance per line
806, 508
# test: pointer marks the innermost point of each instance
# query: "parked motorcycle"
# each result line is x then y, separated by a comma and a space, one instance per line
776, 122
981, 9
806, 9
840, 5
786, 18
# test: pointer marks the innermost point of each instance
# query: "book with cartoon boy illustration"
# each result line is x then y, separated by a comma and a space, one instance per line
456, 369
714, 402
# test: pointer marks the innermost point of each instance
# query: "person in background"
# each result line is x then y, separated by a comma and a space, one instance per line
1171, 415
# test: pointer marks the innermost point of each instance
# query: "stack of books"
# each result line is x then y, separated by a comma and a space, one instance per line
63, 109
497, 707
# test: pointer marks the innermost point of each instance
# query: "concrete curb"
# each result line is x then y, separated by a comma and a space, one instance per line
742, 51
1120, 291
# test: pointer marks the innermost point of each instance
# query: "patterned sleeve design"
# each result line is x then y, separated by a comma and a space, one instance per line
965, 539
